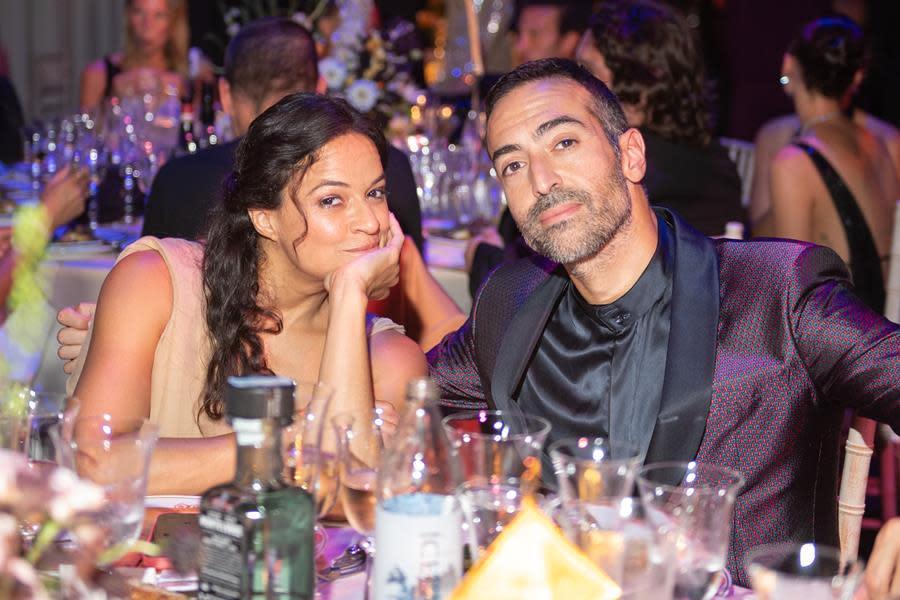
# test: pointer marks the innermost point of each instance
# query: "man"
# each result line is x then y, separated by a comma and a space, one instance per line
548, 28
265, 61
637, 328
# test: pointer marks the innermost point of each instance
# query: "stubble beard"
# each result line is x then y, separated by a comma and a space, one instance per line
587, 233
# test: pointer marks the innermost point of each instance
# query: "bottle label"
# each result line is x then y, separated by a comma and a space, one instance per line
418, 541
222, 552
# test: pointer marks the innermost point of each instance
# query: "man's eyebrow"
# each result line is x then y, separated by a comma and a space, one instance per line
504, 150
548, 125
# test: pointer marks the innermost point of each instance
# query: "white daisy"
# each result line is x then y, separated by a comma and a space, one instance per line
333, 71
362, 95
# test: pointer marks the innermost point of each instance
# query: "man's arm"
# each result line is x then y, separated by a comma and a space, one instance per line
453, 367
851, 352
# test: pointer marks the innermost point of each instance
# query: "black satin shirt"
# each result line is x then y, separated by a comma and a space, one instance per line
592, 356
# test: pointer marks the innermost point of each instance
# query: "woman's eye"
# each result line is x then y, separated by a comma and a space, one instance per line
566, 143
378, 194
329, 201
511, 168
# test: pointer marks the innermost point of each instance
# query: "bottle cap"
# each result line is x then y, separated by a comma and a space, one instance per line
260, 397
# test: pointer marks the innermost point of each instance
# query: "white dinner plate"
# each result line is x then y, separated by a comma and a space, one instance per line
173, 502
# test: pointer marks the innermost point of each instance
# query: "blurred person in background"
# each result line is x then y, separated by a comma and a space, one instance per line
11, 123
156, 51
835, 184
548, 28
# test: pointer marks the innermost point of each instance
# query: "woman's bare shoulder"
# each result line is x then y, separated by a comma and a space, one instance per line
140, 279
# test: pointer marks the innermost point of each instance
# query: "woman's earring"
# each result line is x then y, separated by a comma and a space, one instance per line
784, 80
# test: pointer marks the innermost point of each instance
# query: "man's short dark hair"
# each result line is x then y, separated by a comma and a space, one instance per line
573, 14
271, 56
605, 106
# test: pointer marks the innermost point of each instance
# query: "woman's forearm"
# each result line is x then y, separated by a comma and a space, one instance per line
190, 466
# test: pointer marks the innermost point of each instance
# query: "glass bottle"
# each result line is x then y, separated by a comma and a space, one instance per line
207, 116
257, 531
418, 522
187, 142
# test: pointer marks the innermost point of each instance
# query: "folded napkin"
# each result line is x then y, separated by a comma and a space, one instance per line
532, 559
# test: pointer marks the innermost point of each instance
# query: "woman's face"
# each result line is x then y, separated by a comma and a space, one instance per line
592, 59
149, 22
338, 212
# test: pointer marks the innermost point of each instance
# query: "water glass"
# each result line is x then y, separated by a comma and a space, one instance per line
309, 463
48, 415
115, 454
586, 470
693, 504
808, 571
500, 457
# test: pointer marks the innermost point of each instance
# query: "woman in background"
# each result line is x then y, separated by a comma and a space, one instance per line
835, 183
155, 54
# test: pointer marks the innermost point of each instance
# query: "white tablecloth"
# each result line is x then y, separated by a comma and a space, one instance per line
76, 276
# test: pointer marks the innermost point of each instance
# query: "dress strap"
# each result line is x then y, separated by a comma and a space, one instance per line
865, 264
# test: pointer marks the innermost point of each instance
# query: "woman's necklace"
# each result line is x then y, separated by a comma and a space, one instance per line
807, 127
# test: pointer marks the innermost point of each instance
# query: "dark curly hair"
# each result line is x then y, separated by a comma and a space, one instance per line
830, 51
279, 147
657, 65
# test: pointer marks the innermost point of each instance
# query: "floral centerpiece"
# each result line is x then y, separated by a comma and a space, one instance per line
371, 68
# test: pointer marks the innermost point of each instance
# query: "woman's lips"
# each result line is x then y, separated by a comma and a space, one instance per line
558, 213
364, 247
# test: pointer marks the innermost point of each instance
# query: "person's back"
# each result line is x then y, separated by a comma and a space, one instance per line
835, 184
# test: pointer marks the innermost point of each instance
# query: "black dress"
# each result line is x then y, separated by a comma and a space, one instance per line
865, 264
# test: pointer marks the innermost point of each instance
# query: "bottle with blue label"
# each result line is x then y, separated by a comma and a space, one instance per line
418, 522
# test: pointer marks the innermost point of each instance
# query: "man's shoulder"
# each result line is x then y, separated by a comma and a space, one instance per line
513, 281
779, 260
213, 160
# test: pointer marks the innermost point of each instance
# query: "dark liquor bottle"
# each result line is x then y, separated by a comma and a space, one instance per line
187, 141
257, 532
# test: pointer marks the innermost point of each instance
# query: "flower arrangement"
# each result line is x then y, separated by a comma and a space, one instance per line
371, 68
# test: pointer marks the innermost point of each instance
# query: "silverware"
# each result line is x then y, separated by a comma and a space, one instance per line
352, 560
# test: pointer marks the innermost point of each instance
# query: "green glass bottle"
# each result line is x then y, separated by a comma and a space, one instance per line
257, 531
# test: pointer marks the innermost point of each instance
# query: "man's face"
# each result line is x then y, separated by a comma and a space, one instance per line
538, 35
564, 185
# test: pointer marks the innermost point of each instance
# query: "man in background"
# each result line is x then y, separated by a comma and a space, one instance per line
548, 28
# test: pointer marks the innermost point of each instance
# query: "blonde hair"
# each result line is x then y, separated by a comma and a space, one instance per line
176, 50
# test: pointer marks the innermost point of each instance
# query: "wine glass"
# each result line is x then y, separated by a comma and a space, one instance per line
500, 457
808, 571
693, 503
309, 463
360, 444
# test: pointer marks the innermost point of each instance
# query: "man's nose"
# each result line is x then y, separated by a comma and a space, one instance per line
543, 176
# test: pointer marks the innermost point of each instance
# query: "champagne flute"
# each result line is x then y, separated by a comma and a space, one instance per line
310, 459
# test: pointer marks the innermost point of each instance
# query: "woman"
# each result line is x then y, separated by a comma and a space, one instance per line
835, 184
302, 240
646, 53
156, 53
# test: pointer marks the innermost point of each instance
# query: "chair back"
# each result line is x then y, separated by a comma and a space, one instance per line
741, 154
892, 300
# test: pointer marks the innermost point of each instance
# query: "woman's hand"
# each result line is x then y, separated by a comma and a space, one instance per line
374, 273
65, 194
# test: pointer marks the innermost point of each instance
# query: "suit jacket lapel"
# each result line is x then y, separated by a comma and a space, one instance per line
521, 338
691, 353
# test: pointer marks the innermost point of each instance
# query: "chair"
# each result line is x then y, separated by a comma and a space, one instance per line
741, 154
860, 445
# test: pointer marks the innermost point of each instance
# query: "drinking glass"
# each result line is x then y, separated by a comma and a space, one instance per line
115, 454
807, 571
692, 503
500, 457
586, 470
629, 548
13, 432
360, 444
309, 463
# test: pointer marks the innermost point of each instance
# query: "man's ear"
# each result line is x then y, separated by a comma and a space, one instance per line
263, 222
634, 161
225, 97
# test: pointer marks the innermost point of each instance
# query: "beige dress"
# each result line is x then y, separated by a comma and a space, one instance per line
182, 354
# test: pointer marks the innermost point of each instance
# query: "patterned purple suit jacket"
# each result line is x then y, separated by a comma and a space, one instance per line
767, 346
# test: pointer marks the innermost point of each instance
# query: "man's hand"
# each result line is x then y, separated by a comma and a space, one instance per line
488, 235
65, 194
883, 572
75, 321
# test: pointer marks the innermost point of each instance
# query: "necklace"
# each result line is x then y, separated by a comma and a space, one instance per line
806, 127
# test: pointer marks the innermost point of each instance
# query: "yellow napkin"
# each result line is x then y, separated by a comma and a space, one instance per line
532, 559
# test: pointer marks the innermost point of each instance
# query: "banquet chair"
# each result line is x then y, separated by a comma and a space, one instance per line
741, 154
855, 481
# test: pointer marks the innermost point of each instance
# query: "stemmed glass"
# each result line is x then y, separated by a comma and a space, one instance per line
808, 571
500, 456
692, 503
360, 444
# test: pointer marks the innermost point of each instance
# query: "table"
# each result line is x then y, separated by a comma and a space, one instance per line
76, 274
